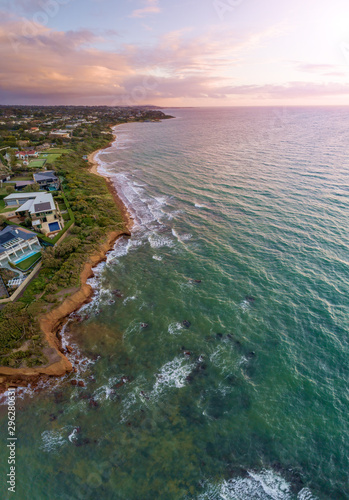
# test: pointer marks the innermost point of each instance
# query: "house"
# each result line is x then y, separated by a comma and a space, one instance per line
39, 207
20, 185
23, 155
47, 180
17, 244
61, 133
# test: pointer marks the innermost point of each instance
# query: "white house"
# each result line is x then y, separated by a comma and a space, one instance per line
16, 244
39, 207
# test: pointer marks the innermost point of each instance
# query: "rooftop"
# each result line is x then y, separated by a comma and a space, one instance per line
12, 235
33, 202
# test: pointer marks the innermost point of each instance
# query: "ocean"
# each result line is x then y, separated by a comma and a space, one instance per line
215, 350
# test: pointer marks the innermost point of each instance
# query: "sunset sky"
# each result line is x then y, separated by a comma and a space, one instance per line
174, 53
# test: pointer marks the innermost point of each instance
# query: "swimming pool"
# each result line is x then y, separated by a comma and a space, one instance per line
25, 257
53, 226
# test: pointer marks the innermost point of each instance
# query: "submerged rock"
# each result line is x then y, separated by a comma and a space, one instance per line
251, 355
81, 383
250, 299
117, 293
186, 323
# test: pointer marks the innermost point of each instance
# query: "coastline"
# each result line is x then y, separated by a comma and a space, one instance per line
52, 322
94, 170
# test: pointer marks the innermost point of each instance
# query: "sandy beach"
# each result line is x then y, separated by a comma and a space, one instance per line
92, 159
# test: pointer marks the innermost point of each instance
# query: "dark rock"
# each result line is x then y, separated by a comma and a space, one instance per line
52, 417
117, 293
59, 397
74, 382
83, 395
69, 349
219, 335
250, 299
93, 403
144, 325
81, 383
251, 355
236, 342
186, 323
82, 442
187, 353
111, 302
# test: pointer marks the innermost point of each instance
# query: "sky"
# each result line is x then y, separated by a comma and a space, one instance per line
174, 52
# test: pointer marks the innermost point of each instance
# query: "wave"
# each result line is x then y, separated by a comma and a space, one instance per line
263, 485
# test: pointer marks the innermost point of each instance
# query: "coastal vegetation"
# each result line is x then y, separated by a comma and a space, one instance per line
90, 214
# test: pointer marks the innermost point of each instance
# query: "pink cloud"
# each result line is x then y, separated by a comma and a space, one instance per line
39, 64
152, 7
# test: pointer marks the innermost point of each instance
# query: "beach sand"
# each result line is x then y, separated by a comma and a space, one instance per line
94, 170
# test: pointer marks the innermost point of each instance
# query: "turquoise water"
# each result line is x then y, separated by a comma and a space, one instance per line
25, 257
250, 399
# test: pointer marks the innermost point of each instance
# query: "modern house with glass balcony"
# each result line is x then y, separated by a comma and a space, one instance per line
17, 244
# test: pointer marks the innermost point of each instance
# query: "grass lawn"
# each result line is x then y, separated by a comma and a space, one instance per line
57, 151
37, 163
7, 209
50, 158
25, 264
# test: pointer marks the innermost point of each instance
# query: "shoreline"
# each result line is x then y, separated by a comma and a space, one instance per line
52, 322
94, 170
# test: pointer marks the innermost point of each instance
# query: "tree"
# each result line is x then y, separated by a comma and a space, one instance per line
2, 221
28, 222
10, 189
67, 247
13, 159
32, 188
